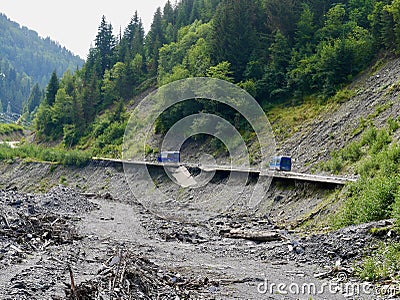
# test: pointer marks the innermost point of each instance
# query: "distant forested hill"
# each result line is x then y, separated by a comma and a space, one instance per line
27, 59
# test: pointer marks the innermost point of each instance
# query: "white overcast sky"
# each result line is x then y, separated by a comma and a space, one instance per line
74, 23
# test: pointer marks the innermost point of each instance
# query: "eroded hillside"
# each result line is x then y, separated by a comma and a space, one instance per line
374, 97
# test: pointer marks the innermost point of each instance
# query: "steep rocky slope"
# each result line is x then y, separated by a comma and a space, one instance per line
376, 95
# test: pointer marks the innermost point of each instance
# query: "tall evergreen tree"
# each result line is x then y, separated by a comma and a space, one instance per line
154, 40
169, 23
235, 33
273, 86
168, 14
184, 11
132, 41
282, 15
52, 88
137, 42
105, 43
34, 99
304, 34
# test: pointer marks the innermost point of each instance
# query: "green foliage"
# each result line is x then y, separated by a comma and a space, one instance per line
334, 165
287, 119
63, 180
393, 125
155, 39
64, 157
278, 50
385, 22
273, 85
396, 209
373, 145
369, 200
221, 71
343, 96
383, 264
32, 103
105, 43
107, 132
234, 33
52, 89
375, 195
188, 56
249, 86
7, 129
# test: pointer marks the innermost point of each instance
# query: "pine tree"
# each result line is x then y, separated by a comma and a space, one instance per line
154, 40
34, 99
52, 89
169, 23
273, 86
137, 42
196, 11
168, 14
304, 34
105, 43
235, 33
282, 15
184, 11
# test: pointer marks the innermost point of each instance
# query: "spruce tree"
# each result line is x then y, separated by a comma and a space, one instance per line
154, 40
105, 43
52, 89
235, 33
34, 99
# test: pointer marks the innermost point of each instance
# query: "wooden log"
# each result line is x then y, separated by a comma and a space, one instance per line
258, 236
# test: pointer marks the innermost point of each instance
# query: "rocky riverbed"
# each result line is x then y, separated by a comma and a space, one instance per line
69, 244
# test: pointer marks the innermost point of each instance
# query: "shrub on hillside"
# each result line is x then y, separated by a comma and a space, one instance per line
383, 264
36, 152
369, 200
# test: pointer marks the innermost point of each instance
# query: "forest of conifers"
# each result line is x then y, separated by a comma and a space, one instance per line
278, 50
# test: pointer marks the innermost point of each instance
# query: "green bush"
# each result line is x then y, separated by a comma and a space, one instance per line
352, 152
369, 136
334, 165
393, 125
349, 154
396, 209
371, 153
343, 96
368, 167
368, 200
381, 141
62, 156
375, 196
382, 265
10, 128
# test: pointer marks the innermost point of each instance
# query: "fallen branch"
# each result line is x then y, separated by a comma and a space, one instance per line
73, 288
5, 221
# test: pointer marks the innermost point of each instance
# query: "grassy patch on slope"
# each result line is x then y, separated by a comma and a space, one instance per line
40, 153
376, 195
7, 129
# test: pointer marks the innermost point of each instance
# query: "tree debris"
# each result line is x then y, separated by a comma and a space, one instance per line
132, 276
258, 236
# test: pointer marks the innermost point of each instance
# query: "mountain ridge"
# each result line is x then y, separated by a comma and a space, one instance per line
27, 59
